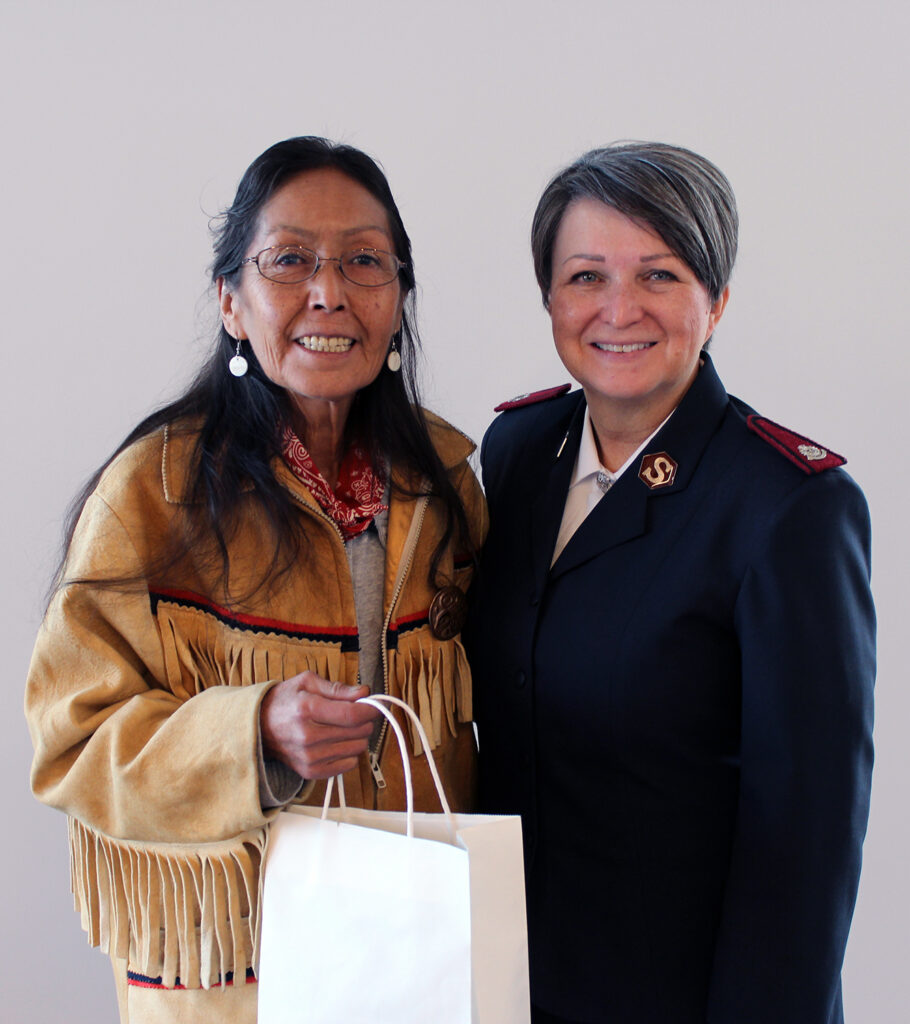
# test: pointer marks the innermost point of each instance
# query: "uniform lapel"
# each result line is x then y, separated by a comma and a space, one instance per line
622, 514
557, 463
618, 517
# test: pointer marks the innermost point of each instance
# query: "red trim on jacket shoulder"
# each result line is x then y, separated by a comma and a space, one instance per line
533, 397
801, 451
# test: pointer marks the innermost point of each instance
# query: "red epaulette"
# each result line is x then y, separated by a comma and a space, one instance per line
801, 451
533, 397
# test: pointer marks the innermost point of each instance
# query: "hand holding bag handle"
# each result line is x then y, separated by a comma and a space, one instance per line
447, 889
378, 701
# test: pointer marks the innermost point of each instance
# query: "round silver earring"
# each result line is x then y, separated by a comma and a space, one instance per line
238, 365
393, 360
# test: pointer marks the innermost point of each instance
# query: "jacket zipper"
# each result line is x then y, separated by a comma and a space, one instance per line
403, 570
316, 512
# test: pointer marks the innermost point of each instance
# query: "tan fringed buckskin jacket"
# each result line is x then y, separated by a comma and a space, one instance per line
143, 701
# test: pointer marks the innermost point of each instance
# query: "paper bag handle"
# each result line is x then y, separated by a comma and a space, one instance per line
378, 701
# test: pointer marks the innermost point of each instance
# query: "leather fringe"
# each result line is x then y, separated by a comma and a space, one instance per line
437, 685
187, 912
200, 653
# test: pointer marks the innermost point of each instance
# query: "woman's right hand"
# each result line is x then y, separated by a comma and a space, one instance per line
315, 726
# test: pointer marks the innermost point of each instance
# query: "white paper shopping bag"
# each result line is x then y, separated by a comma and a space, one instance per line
378, 916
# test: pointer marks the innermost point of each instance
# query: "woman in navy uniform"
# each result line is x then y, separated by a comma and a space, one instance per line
673, 634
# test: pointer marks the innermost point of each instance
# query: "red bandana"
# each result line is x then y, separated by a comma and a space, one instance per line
359, 495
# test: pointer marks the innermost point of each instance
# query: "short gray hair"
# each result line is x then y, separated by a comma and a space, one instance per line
675, 192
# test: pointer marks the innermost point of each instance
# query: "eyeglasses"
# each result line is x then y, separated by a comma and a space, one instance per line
292, 264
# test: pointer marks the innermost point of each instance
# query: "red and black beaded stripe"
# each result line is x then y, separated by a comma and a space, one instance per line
407, 624
463, 560
345, 636
144, 981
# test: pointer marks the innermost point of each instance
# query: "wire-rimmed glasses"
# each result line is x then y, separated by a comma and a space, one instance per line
293, 264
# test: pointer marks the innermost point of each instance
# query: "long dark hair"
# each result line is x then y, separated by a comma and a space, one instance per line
240, 419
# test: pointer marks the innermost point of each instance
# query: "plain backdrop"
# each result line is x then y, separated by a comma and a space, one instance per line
125, 127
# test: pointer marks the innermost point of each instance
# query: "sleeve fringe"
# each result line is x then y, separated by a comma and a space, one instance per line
186, 913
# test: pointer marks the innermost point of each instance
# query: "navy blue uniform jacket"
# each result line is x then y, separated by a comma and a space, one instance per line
681, 711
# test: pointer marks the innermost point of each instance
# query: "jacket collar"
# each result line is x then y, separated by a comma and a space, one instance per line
622, 512
452, 446
177, 449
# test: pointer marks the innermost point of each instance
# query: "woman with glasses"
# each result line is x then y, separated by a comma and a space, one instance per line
673, 638
290, 534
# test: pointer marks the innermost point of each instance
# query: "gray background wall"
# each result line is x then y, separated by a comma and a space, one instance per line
125, 125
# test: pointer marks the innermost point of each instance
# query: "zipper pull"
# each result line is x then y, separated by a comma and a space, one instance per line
376, 770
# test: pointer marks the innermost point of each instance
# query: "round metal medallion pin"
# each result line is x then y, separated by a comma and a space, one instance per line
448, 612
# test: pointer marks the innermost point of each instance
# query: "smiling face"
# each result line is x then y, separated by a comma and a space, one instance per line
629, 317
325, 339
